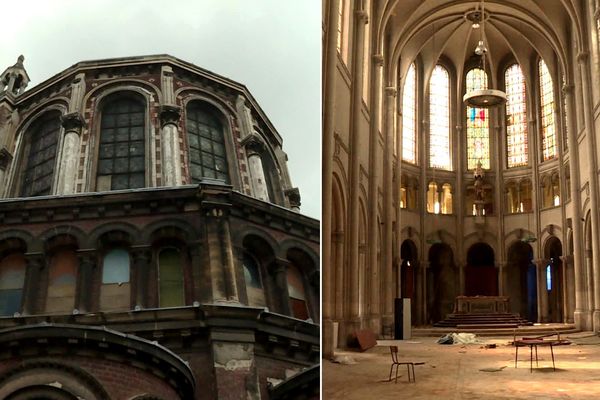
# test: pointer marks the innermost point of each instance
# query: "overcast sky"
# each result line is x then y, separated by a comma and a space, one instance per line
271, 46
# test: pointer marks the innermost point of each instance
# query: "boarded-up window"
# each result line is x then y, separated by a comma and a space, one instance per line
12, 278
170, 278
254, 287
62, 280
115, 290
296, 293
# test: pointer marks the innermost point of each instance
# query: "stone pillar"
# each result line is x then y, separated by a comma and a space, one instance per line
329, 272
567, 288
373, 228
77, 93
542, 293
200, 274
254, 148
234, 364
461, 278
584, 69
31, 287
87, 262
279, 272
69, 155
339, 270
5, 160
578, 264
387, 259
170, 148
500, 269
141, 263
229, 262
423, 306
353, 319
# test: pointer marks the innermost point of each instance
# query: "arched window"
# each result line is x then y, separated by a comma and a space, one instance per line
433, 198
366, 57
207, 155
439, 119
446, 205
549, 149
409, 117
12, 279
296, 292
516, 117
478, 124
62, 282
170, 278
525, 193
115, 292
121, 158
512, 198
39, 156
342, 33
254, 286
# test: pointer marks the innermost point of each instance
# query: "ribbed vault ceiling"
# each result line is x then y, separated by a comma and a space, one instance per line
516, 30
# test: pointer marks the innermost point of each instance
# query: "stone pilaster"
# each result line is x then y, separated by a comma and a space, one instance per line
77, 93
32, 289
5, 160
244, 115
279, 271
542, 293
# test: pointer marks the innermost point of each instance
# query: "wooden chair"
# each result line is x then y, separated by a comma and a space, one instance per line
410, 366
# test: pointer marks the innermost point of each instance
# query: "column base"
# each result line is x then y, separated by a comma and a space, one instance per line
373, 322
328, 339
346, 331
583, 320
596, 321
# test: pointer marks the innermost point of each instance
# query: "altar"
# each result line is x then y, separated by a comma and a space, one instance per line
481, 304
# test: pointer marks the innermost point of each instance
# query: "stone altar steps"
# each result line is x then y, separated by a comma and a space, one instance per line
529, 331
482, 321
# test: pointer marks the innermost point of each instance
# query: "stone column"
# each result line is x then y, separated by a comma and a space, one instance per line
213, 246
200, 274
279, 272
170, 148
567, 289
422, 295
244, 115
141, 263
77, 93
387, 261
87, 262
69, 155
353, 319
578, 264
374, 162
31, 287
501, 269
338, 274
229, 262
5, 160
586, 82
542, 293
329, 273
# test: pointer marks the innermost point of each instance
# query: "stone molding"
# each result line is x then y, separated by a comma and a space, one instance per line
73, 122
293, 195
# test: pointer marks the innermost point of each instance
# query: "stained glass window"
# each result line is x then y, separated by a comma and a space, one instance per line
409, 118
121, 162
516, 117
366, 55
340, 26
296, 293
254, 287
62, 280
207, 144
478, 124
439, 119
565, 116
547, 111
39, 172
115, 290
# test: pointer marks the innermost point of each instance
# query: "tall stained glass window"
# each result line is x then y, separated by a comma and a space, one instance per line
439, 119
565, 116
547, 112
478, 124
409, 118
516, 117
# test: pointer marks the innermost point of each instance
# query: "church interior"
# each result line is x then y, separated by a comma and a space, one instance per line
460, 162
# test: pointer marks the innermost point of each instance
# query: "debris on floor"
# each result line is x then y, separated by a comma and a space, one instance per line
343, 359
489, 346
459, 338
493, 369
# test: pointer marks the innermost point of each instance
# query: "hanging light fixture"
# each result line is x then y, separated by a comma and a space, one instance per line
482, 98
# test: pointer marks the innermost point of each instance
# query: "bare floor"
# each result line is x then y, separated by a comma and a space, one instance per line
454, 371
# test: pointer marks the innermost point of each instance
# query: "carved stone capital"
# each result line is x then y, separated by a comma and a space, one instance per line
391, 91
169, 114
568, 89
582, 56
5, 158
253, 144
362, 16
378, 60
72, 122
293, 195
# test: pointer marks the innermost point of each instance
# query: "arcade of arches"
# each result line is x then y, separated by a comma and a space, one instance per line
427, 198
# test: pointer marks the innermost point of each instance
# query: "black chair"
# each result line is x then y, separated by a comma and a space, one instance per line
410, 366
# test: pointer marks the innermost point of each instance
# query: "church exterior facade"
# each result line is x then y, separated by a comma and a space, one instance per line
151, 245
